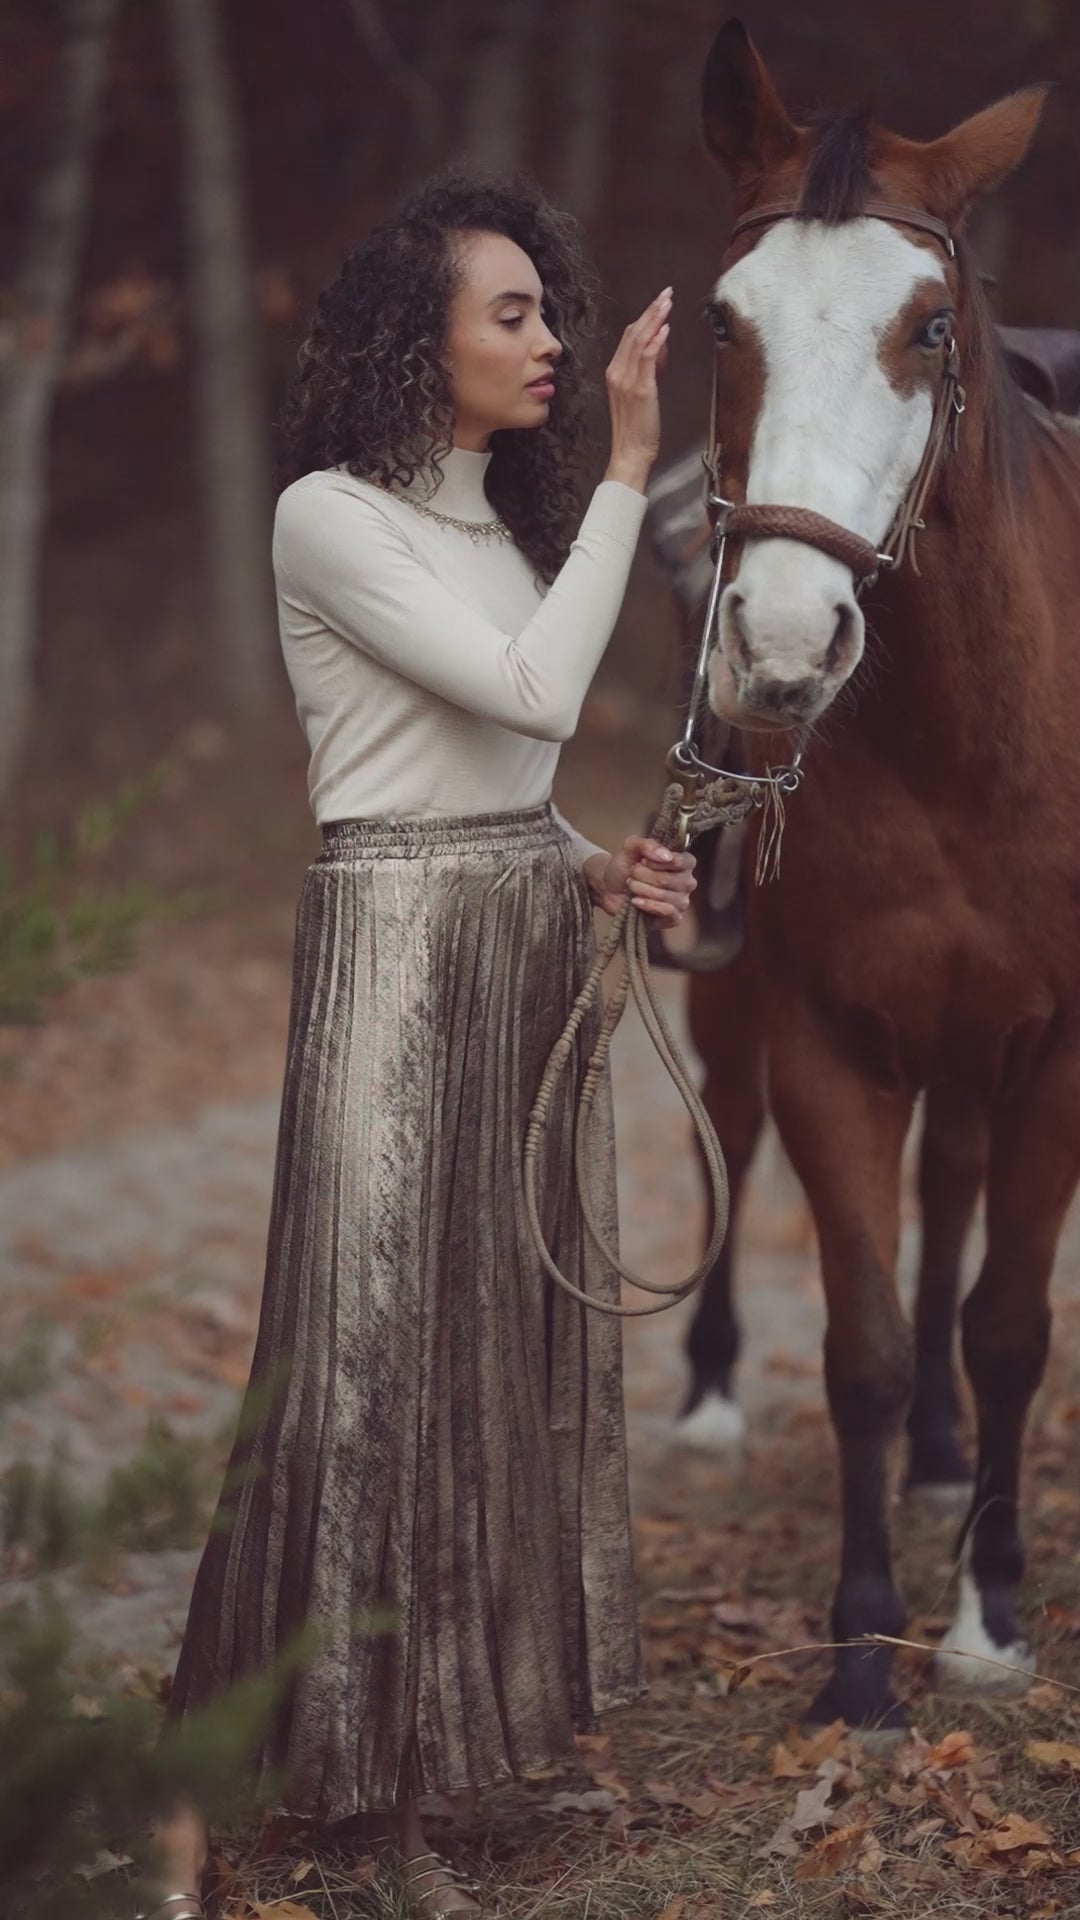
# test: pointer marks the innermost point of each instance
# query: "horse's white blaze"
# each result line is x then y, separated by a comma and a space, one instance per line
993, 1669
834, 433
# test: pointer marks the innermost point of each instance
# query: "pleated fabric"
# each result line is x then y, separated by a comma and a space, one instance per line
445, 1446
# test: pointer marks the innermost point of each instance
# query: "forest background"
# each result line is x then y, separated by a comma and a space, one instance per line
178, 178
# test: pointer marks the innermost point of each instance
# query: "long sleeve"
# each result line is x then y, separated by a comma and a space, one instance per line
337, 555
583, 847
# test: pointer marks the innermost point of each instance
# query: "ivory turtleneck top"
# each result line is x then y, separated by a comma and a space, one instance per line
433, 673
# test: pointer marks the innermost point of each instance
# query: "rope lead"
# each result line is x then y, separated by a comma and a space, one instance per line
716, 804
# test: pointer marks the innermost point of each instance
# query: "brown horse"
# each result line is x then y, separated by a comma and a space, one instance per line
923, 933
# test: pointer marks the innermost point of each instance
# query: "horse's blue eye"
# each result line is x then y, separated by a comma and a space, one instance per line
936, 331
718, 321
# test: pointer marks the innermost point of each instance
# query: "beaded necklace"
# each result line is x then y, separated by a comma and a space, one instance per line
476, 530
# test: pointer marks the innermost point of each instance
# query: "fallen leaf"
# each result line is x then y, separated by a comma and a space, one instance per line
956, 1750
787, 1765
1054, 1753
924, 1830
969, 1851
1013, 1831
954, 1797
822, 1744
872, 1855
766, 1898
301, 1872
810, 1804
832, 1854
674, 1909
984, 1809
782, 1843
1045, 1693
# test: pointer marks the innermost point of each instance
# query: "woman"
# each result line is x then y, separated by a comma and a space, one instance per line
447, 1445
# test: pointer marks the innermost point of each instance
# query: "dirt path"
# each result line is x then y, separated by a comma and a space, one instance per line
145, 1256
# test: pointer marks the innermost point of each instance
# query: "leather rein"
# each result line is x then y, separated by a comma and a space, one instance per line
732, 520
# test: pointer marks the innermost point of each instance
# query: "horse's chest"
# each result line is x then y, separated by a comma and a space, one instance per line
929, 966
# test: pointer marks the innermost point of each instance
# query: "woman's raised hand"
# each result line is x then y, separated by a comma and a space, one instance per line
633, 397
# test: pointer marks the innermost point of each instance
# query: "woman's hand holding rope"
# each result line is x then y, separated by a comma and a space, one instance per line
658, 879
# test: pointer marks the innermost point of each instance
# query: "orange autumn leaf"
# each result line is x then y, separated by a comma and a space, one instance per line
1013, 1831
674, 1908
787, 1765
833, 1853
823, 1744
1054, 1753
956, 1750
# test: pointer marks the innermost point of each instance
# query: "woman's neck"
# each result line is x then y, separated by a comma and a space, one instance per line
460, 487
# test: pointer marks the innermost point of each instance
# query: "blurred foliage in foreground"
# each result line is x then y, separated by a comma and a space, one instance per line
61, 920
81, 1773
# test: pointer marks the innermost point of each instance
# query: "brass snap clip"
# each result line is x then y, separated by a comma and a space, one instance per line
691, 784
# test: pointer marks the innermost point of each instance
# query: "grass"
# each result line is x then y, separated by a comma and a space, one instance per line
729, 1571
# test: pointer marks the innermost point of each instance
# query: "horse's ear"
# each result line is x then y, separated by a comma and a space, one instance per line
978, 154
746, 125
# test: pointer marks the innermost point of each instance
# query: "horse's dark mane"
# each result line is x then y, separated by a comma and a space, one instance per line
1008, 424
838, 178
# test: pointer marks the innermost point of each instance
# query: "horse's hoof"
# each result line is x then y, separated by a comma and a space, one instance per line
842, 1698
950, 1498
960, 1668
969, 1660
714, 1425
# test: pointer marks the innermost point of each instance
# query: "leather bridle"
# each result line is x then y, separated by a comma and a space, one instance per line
732, 520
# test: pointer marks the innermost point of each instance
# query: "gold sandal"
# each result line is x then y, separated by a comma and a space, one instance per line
443, 1878
175, 1906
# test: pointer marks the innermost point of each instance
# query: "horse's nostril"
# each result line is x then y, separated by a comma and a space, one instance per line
839, 649
736, 604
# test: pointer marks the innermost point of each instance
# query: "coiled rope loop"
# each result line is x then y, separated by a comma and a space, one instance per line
716, 804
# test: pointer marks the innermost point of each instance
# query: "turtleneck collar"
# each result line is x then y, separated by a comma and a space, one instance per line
460, 491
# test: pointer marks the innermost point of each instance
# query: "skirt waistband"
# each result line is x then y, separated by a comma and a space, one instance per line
414, 836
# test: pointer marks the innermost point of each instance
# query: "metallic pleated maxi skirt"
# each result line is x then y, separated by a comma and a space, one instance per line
440, 1480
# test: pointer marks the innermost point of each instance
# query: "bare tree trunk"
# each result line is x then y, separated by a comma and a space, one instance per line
234, 438
420, 97
28, 375
496, 118
588, 49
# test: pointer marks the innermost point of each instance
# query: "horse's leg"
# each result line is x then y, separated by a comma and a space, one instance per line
845, 1136
724, 1011
952, 1166
1033, 1171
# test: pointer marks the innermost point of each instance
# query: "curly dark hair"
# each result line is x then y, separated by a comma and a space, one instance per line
370, 392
